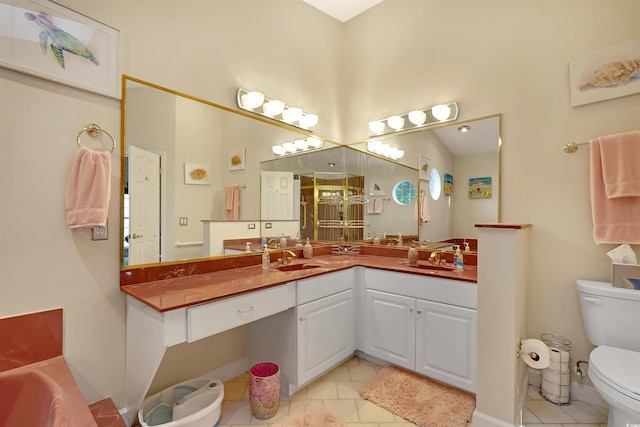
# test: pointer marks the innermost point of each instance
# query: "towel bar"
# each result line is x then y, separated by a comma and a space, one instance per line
572, 147
94, 130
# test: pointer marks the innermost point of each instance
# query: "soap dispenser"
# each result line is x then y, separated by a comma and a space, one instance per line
413, 254
247, 247
458, 258
266, 258
400, 242
307, 250
283, 241
298, 242
376, 240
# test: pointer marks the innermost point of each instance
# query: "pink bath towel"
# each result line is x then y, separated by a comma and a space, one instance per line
88, 189
232, 202
615, 220
620, 156
425, 213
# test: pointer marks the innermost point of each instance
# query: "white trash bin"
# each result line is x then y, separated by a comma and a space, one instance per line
193, 403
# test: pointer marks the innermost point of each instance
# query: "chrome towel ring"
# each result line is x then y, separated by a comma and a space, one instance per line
94, 130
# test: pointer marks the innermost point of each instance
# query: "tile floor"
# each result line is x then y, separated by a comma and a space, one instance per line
338, 391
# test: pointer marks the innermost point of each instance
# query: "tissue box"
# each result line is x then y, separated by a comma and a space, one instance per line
626, 276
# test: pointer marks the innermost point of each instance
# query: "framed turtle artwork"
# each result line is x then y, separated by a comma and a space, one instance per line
45, 39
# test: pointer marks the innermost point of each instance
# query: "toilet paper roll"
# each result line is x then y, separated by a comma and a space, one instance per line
535, 353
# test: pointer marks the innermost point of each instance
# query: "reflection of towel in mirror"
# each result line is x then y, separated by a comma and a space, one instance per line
425, 215
375, 205
88, 189
232, 202
617, 219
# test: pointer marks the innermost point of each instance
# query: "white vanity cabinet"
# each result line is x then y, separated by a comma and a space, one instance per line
313, 337
424, 324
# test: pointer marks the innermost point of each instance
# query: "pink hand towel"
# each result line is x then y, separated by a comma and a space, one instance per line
620, 156
88, 189
615, 220
425, 214
232, 202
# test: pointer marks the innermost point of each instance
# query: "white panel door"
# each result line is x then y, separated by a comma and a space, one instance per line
144, 213
390, 328
446, 344
277, 195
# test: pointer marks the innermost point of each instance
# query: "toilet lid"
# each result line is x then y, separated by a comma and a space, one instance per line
618, 367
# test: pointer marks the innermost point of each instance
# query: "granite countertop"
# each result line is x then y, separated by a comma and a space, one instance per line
177, 292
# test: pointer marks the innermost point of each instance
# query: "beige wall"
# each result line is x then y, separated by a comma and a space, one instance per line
494, 56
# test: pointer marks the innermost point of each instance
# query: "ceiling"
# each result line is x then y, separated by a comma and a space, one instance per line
343, 10
482, 137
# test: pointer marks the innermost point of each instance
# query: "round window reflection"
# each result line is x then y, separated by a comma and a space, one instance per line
435, 184
404, 192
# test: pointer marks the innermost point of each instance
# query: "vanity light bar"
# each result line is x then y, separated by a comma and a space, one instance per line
275, 109
307, 144
385, 150
415, 119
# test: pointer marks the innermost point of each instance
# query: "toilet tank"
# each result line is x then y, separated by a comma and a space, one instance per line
611, 315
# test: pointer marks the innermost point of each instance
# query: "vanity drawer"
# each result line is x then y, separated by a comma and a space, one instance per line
324, 285
210, 319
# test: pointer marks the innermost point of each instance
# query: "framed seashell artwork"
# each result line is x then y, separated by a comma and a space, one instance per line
236, 159
195, 173
605, 74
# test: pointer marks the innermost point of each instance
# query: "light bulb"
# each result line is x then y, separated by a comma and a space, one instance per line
252, 100
395, 122
308, 121
273, 107
441, 112
417, 117
376, 127
289, 147
278, 150
374, 146
301, 144
315, 142
291, 114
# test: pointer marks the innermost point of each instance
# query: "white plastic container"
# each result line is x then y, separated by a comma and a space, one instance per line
193, 403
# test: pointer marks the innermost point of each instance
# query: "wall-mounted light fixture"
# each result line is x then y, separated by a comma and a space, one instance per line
307, 144
384, 149
275, 109
414, 119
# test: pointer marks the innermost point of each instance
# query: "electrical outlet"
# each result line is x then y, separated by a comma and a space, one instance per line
100, 233
183, 220
267, 225
251, 226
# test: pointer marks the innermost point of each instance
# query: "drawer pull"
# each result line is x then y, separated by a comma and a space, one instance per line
245, 310
419, 311
302, 319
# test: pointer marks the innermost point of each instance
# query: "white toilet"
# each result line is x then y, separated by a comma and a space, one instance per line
612, 320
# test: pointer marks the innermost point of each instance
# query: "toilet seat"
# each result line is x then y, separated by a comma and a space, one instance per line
618, 368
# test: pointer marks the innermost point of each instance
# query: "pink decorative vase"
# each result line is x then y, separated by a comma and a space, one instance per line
264, 390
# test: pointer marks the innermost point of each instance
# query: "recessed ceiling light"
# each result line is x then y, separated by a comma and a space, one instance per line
464, 128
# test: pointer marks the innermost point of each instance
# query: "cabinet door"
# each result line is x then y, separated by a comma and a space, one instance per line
446, 343
390, 328
326, 334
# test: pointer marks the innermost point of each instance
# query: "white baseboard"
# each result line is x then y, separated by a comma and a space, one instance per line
481, 419
580, 390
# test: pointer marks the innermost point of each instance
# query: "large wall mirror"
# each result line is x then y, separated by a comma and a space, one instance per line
168, 135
